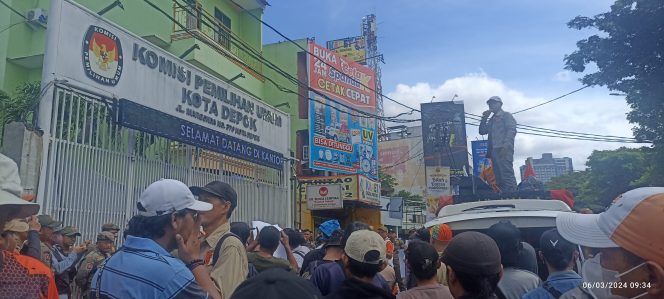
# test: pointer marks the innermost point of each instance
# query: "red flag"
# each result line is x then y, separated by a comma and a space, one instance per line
530, 171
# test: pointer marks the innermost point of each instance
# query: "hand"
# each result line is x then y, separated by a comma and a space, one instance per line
81, 248
284, 240
33, 223
189, 250
486, 114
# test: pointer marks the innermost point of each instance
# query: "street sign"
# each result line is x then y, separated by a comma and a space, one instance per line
324, 197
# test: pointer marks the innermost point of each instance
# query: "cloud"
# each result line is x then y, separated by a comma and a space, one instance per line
563, 76
585, 112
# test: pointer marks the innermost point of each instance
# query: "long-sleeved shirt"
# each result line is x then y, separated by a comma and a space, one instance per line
230, 269
31, 246
501, 128
60, 266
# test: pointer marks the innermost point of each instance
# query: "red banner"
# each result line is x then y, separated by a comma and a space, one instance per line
347, 80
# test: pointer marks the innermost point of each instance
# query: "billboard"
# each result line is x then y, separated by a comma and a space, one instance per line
324, 197
438, 186
480, 161
154, 84
346, 81
353, 48
395, 160
340, 140
444, 136
353, 187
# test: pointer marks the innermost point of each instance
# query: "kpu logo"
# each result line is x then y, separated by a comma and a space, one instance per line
102, 56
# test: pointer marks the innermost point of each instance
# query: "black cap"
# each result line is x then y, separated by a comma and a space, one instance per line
473, 253
276, 284
556, 249
336, 239
218, 189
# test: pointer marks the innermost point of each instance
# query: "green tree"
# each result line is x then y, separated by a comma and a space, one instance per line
21, 106
629, 57
387, 184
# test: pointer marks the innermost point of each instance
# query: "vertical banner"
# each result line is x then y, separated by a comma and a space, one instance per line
353, 48
438, 187
444, 136
480, 161
341, 141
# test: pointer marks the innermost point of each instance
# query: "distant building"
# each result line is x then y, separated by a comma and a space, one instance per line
549, 167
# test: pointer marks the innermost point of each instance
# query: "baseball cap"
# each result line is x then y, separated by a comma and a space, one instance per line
382, 228
276, 283
105, 236
69, 231
109, 227
555, 248
218, 189
167, 196
633, 223
48, 221
10, 190
328, 227
16, 225
335, 239
441, 232
473, 253
366, 247
495, 99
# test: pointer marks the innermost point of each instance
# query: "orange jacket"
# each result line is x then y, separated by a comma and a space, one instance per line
34, 278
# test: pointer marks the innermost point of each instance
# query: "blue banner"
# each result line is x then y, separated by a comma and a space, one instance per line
152, 121
341, 141
480, 161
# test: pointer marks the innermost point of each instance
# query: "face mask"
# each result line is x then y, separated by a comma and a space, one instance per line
593, 273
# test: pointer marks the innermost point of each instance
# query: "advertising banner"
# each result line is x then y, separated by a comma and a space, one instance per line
480, 161
395, 160
102, 57
346, 80
438, 186
341, 141
369, 191
353, 187
391, 211
324, 197
353, 48
444, 136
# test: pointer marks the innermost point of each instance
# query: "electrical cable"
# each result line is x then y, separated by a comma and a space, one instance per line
549, 101
10, 26
14, 10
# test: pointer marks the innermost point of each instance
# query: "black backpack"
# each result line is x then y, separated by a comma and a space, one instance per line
252, 269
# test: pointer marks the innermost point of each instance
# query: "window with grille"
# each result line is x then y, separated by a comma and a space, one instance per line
223, 29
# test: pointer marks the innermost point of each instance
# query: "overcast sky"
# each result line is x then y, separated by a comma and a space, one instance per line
475, 49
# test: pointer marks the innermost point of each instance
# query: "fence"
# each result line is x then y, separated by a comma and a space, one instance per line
96, 169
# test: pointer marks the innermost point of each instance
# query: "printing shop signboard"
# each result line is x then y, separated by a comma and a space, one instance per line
341, 141
341, 78
160, 93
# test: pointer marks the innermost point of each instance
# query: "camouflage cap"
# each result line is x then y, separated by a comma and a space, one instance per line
105, 236
69, 231
109, 227
48, 221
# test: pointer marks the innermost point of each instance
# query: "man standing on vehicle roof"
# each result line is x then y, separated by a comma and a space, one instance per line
502, 131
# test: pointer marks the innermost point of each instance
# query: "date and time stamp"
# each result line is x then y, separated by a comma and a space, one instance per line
616, 285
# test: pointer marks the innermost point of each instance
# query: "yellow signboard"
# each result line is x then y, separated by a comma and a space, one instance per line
353, 187
352, 48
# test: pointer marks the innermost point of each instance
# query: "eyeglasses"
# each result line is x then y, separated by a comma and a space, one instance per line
194, 214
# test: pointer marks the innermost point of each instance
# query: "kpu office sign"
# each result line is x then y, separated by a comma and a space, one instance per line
100, 56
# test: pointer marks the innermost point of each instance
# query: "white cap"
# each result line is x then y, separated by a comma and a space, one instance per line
366, 247
634, 222
10, 190
167, 196
495, 99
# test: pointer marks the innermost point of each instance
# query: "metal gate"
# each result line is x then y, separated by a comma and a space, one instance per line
97, 169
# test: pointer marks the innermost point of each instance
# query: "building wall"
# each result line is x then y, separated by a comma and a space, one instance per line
22, 47
549, 167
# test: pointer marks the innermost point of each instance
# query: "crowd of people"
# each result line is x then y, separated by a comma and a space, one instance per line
181, 244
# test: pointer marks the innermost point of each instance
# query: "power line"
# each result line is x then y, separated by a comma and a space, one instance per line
10, 26
570, 137
253, 53
558, 98
331, 66
14, 10
397, 164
